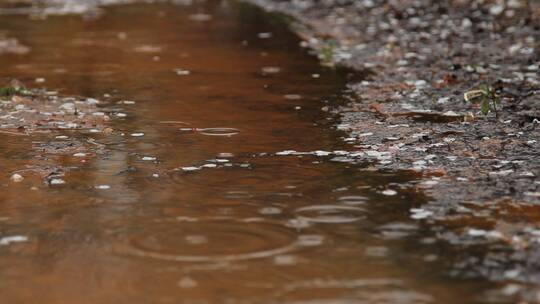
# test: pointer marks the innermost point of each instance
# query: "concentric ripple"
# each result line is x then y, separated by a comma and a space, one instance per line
211, 241
330, 214
218, 131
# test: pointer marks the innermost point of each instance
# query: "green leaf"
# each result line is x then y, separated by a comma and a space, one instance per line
485, 106
484, 88
8, 91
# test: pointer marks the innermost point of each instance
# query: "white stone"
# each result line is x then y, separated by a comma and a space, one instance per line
17, 178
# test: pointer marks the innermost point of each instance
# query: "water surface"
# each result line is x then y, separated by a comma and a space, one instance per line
186, 202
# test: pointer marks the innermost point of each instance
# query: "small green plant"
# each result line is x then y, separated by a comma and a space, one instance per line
488, 98
8, 91
328, 53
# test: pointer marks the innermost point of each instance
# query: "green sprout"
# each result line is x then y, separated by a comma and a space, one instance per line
328, 53
487, 97
8, 91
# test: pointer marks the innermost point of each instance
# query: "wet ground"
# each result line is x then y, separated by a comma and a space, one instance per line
480, 172
196, 166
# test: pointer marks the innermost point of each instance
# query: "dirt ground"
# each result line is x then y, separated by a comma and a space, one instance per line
57, 124
480, 172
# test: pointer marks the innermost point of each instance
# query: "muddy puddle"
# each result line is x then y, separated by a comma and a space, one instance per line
219, 180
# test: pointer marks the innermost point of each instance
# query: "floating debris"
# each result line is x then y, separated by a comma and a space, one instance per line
57, 181
190, 169
389, 192
182, 72
7, 240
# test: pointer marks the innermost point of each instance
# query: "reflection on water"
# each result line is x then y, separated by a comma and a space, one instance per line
187, 202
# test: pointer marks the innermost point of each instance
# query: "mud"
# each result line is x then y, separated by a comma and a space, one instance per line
480, 173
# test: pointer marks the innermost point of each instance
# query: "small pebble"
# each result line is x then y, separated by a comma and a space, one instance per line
17, 178
57, 181
389, 192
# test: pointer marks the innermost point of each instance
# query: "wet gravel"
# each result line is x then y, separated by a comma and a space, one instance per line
481, 173
58, 126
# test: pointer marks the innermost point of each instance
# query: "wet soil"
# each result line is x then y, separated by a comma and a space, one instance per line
480, 173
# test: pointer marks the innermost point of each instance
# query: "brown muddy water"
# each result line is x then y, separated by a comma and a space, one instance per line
187, 202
